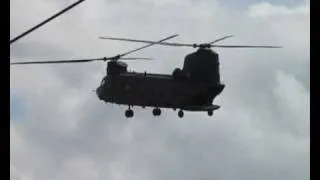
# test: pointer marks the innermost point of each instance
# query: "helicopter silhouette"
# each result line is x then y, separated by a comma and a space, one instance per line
192, 88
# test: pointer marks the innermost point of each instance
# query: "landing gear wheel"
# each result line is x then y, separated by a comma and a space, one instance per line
210, 113
129, 113
180, 113
177, 73
156, 112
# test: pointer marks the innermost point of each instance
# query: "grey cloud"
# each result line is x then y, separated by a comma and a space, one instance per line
39, 51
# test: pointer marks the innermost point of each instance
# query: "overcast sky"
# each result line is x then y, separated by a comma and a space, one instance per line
60, 130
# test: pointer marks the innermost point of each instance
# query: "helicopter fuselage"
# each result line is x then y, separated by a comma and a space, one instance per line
192, 88
157, 90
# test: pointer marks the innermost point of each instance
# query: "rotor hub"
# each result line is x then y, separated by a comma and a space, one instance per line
204, 46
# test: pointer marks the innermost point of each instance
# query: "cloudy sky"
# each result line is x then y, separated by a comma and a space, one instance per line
60, 130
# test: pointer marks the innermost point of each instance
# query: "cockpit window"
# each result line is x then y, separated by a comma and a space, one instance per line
105, 80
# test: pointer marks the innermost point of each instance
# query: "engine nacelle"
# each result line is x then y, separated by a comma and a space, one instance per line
116, 67
179, 74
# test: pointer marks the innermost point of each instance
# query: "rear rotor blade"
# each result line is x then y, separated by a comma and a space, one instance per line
220, 39
240, 46
190, 45
146, 41
151, 44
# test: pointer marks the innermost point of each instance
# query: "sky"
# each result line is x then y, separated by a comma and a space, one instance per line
60, 130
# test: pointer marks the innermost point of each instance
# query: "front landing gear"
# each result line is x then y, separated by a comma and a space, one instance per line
129, 113
156, 112
180, 114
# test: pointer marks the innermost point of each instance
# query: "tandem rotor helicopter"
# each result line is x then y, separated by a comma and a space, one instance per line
190, 88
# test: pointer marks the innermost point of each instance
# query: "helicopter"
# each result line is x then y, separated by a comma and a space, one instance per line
192, 88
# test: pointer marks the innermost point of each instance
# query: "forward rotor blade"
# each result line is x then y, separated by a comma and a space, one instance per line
220, 39
151, 44
60, 61
136, 58
76, 61
239, 46
146, 41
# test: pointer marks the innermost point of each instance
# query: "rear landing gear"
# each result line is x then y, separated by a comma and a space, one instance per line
156, 112
210, 113
129, 113
180, 113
